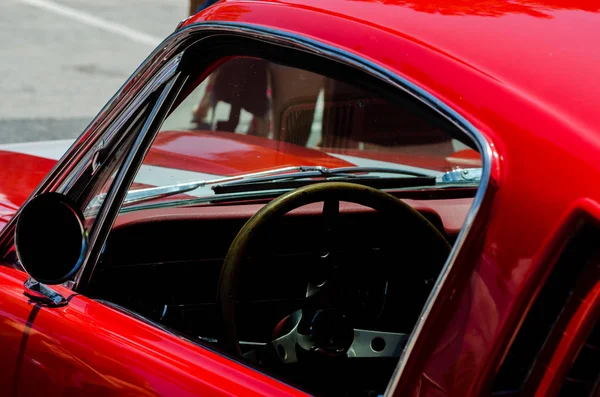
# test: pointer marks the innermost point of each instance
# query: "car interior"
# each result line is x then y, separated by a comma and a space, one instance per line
319, 286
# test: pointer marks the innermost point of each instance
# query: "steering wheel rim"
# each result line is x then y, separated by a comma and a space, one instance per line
322, 192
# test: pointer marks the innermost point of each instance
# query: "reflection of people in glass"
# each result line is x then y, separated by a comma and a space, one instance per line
294, 89
262, 89
285, 99
242, 83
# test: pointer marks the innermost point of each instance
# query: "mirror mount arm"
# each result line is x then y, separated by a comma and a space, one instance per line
41, 293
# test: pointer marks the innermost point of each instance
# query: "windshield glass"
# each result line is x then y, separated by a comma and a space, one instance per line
253, 118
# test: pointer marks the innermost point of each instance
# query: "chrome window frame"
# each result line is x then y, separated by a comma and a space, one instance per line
125, 176
183, 37
155, 70
109, 137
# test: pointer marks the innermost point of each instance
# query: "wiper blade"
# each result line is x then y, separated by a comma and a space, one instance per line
153, 193
375, 182
320, 171
295, 176
360, 175
356, 174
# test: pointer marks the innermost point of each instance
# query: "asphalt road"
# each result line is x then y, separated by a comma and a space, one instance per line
62, 60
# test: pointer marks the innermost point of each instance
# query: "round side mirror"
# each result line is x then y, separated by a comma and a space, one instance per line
50, 238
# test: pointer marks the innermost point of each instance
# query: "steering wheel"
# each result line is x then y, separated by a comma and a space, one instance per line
327, 330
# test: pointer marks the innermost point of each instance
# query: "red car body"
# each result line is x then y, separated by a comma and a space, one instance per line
525, 74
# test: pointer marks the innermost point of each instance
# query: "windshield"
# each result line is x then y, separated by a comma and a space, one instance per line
253, 118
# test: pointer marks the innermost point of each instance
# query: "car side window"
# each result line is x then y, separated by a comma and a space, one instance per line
246, 99
260, 98
247, 133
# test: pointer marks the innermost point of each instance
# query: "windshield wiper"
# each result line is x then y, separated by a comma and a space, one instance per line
295, 176
302, 171
152, 193
363, 175
360, 175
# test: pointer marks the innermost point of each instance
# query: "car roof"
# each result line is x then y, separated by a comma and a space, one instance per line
547, 51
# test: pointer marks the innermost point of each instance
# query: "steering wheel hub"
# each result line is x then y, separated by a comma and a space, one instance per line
332, 332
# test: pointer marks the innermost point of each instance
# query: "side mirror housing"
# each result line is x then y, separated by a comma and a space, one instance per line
50, 238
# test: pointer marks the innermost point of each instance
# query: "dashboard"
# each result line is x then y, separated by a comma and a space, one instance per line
165, 263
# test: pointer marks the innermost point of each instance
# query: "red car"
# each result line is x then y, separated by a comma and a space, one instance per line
335, 198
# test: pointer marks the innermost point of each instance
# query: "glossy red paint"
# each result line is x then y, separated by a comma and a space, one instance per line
574, 335
580, 314
526, 75
19, 175
549, 373
465, 158
69, 351
222, 153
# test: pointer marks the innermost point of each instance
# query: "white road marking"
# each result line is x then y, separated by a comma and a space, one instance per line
95, 21
52, 150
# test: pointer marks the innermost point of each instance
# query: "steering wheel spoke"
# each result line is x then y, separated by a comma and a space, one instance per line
331, 212
376, 344
331, 240
364, 344
285, 346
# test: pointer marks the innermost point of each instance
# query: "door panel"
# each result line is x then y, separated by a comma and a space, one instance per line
14, 316
86, 348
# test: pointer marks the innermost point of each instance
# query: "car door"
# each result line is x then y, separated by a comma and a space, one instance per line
65, 344
16, 314
86, 348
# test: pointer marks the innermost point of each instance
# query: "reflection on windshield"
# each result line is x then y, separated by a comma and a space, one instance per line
251, 116
254, 97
